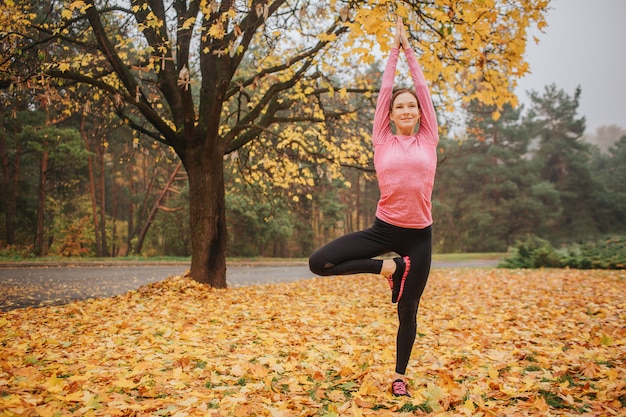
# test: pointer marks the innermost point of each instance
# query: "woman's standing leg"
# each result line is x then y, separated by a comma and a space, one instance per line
352, 253
419, 251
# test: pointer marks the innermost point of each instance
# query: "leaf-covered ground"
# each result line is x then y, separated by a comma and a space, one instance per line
491, 343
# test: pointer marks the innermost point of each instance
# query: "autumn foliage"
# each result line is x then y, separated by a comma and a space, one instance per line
490, 342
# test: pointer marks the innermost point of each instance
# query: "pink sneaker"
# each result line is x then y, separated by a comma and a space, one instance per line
399, 388
397, 280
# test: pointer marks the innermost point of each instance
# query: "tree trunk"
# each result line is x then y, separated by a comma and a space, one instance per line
41, 205
131, 210
114, 245
7, 191
155, 209
207, 211
92, 190
102, 192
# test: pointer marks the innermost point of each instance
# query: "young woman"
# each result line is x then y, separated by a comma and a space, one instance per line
405, 164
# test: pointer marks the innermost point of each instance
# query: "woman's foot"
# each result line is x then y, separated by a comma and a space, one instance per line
399, 388
398, 278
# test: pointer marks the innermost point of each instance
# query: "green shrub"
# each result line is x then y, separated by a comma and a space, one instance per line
16, 252
608, 253
534, 252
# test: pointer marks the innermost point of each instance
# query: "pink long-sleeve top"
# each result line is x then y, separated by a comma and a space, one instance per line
405, 165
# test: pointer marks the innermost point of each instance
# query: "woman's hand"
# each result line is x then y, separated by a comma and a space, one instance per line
397, 40
404, 40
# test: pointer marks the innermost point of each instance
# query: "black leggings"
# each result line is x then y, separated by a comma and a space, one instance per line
353, 253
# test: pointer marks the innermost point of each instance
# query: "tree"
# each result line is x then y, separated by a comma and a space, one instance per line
609, 172
563, 159
61, 157
175, 75
11, 154
14, 21
97, 125
488, 192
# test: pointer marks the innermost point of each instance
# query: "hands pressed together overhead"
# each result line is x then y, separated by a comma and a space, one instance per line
400, 38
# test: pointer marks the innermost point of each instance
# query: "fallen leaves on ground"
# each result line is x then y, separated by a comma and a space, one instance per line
490, 342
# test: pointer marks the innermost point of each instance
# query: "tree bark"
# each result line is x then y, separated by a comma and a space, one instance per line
130, 229
102, 191
8, 190
114, 244
92, 190
207, 209
41, 204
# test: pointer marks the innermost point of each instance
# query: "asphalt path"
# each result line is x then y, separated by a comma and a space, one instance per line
23, 285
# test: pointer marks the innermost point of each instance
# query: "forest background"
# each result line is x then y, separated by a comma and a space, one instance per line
81, 183
532, 172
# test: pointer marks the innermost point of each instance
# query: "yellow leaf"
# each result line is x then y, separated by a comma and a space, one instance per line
124, 383
79, 378
493, 373
237, 370
54, 384
188, 23
216, 31
47, 410
541, 405
327, 37
612, 374
78, 4
469, 405
188, 402
77, 396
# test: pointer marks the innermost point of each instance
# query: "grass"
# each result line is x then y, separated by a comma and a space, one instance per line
469, 256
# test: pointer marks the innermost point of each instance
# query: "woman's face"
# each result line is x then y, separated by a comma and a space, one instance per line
405, 113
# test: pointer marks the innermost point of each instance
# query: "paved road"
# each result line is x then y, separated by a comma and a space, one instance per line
37, 286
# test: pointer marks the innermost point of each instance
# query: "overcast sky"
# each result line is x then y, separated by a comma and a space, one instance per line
584, 44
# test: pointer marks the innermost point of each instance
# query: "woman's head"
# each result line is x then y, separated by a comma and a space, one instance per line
399, 91
405, 111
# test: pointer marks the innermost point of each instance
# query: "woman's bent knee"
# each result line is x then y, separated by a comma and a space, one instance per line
319, 266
